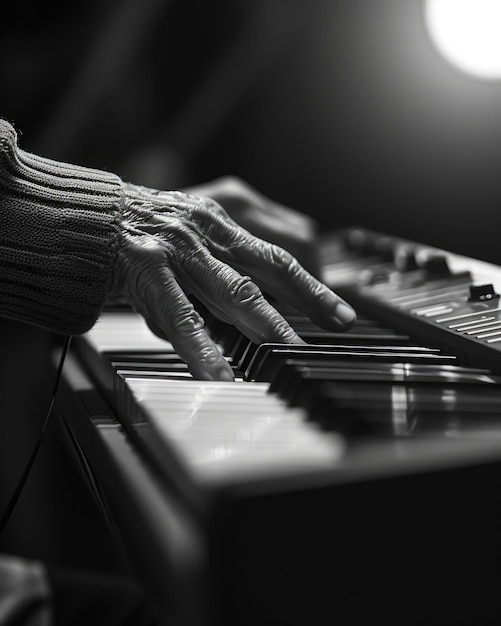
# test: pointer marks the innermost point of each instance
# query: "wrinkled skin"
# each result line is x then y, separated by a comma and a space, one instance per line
264, 218
173, 244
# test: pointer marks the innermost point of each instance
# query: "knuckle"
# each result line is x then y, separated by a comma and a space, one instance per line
183, 239
150, 248
186, 321
209, 355
233, 185
281, 258
213, 206
285, 332
319, 294
144, 250
136, 258
209, 214
178, 228
243, 292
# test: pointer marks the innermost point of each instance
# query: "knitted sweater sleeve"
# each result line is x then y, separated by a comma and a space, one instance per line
58, 238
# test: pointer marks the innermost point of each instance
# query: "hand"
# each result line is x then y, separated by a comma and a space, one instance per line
173, 244
264, 218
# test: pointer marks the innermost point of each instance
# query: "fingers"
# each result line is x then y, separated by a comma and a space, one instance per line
169, 313
280, 274
236, 299
273, 222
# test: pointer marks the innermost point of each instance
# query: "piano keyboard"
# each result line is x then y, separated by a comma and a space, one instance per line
444, 297
411, 390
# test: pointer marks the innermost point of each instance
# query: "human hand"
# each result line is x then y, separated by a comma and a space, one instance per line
173, 244
264, 218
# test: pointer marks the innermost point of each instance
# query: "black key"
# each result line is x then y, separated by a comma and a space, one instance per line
266, 358
300, 383
291, 373
398, 409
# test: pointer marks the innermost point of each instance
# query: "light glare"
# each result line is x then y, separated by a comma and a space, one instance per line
468, 34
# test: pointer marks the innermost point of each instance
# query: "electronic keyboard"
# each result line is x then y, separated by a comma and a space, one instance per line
350, 477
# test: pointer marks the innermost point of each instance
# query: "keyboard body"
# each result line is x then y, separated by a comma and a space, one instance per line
244, 503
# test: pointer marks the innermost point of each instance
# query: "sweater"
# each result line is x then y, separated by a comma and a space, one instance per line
59, 229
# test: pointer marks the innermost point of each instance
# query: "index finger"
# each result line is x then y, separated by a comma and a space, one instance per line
281, 274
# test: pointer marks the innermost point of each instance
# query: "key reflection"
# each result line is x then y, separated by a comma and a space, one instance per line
405, 409
231, 429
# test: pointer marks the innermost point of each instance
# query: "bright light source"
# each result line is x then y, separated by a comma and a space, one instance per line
468, 34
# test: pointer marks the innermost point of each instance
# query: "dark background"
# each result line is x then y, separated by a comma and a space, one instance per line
341, 109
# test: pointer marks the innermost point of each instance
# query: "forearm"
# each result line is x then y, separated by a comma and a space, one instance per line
58, 238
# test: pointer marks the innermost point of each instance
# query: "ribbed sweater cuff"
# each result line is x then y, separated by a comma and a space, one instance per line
58, 238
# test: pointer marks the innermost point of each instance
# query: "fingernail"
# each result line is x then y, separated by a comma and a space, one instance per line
345, 314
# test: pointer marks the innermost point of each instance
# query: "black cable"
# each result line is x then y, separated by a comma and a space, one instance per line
22, 481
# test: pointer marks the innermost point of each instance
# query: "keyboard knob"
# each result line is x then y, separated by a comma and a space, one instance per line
480, 293
406, 258
437, 265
